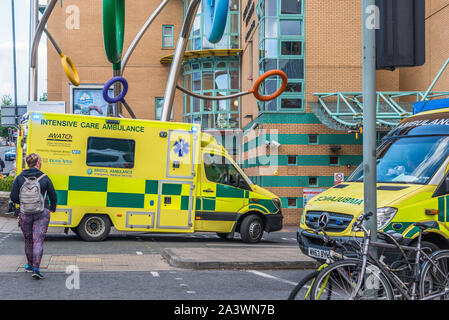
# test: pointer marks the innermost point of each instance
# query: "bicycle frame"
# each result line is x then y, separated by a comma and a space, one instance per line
391, 277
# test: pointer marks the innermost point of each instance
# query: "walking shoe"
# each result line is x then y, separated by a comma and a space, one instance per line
37, 274
28, 268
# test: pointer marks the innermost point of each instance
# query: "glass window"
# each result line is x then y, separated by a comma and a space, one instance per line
219, 169
291, 202
290, 27
271, 8
167, 36
271, 28
289, 48
112, 153
159, 104
269, 64
294, 87
408, 159
290, 6
213, 77
208, 80
291, 103
313, 138
313, 181
271, 48
333, 160
294, 68
292, 160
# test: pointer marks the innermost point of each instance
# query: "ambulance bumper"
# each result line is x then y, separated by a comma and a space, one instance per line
274, 222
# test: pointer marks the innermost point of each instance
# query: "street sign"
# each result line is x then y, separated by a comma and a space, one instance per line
339, 177
309, 193
46, 106
9, 115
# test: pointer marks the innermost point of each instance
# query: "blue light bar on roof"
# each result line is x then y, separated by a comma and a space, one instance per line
427, 105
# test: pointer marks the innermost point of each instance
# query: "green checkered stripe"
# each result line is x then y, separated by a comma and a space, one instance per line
223, 191
95, 185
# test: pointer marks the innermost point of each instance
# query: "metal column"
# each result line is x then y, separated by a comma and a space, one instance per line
369, 115
177, 60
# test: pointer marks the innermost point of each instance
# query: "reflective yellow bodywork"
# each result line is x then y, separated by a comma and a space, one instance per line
160, 191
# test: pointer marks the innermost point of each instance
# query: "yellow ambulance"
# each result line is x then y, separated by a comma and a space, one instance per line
140, 175
412, 186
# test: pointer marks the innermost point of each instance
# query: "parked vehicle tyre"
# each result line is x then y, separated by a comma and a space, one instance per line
94, 227
75, 230
251, 229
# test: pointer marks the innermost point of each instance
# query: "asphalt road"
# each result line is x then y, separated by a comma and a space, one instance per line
173, 284
147, 243
158, 285
9, 164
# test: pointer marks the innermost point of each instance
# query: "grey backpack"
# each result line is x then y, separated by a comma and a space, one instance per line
31, 199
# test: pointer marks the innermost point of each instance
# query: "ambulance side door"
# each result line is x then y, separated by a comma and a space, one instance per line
442, 195
220, 192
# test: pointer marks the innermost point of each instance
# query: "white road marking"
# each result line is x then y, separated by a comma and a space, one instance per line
155, 274
248, 245
266, 275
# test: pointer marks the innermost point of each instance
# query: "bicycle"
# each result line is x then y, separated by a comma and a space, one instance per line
370, 278
303, 288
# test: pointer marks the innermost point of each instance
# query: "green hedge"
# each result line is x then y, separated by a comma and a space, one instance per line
6, 184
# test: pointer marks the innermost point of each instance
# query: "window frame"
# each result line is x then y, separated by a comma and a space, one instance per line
276, 105
170, 36
228, 163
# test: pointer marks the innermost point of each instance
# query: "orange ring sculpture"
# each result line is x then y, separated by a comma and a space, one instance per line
262, 78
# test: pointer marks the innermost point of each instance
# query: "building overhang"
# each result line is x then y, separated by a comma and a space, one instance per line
196, 54
344, 110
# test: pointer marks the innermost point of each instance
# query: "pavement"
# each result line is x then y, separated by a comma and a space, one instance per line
229, 257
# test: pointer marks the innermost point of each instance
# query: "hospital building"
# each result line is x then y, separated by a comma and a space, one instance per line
304, 141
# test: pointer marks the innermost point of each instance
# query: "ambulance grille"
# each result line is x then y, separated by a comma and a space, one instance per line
338, 222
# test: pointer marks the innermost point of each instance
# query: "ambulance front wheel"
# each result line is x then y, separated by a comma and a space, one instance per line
94, 227
251, 229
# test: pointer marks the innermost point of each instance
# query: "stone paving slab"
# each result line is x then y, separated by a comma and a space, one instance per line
59, 263
238, 258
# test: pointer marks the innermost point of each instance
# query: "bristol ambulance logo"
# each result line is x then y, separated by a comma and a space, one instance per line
181, 147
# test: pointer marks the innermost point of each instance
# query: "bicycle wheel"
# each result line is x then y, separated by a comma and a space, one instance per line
338, 281
434, 282
302, 289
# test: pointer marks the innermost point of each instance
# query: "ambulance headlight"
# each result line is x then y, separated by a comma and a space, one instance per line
384, 216
277, 203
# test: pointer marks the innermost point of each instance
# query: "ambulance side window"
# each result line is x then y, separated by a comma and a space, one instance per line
110, 152
220, 170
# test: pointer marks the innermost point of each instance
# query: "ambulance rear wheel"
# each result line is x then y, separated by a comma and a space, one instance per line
94, 227
251, 229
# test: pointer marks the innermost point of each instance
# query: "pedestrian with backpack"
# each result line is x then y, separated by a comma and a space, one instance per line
30, 190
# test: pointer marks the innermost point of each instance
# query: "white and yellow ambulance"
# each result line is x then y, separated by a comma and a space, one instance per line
140, 175
412, 186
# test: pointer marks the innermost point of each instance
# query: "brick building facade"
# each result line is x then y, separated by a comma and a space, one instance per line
318, 44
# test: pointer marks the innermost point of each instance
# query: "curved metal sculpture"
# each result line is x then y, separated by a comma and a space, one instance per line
215, 16
67, 63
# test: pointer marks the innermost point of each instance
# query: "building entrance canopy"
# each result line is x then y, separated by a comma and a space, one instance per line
344, 110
